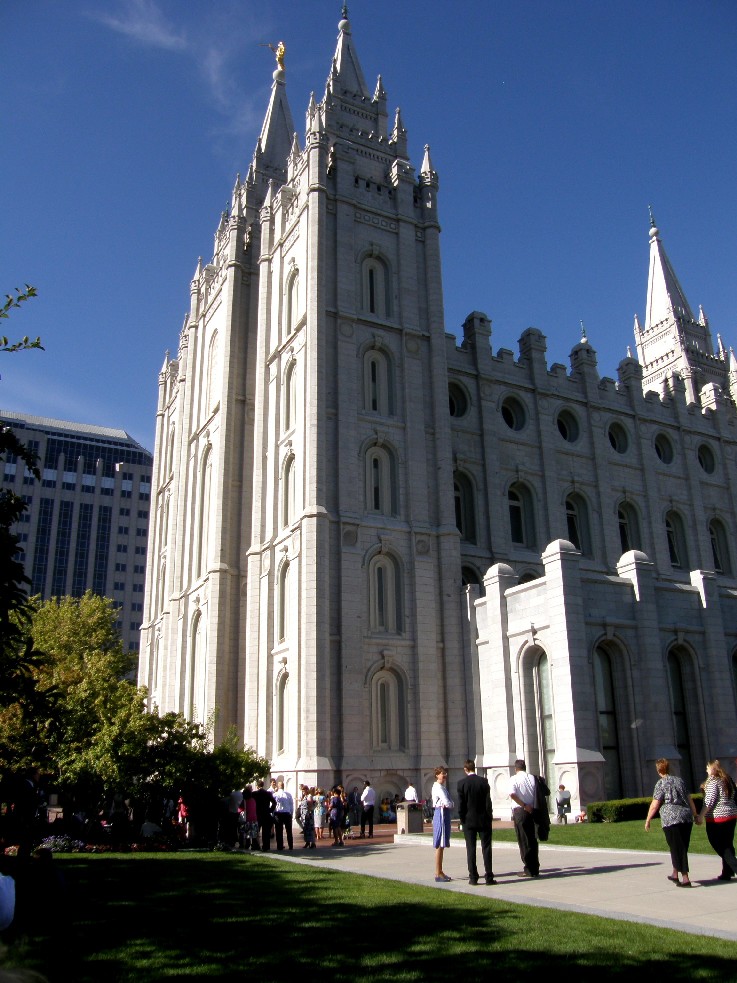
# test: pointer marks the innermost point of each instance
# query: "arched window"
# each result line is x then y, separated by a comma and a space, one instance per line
522, 515
293, 308
195, 657
290, 397
381, 481
170, 456
465, 504
677, 548
680, 713
282, 602
375, 287
471, 576
577, 518
280, 717
378, 383
385, 595
606, 709
165, 524
545, 713
213, 389
629, 527
203, 523
162, 587
156, 667
388, 711
720, 547
288, 492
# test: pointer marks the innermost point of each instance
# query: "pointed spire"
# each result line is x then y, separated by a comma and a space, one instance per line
347, 76
664, 293
584, 339
275, 139
732, 361
379, 92
427, 167
399, 135
638, 326
703, 319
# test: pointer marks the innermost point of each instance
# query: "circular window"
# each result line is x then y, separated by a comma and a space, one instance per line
664, 448
513, 413
457, 400
618, 438
568, 426
706, 458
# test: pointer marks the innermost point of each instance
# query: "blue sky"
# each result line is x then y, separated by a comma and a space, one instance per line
552, 127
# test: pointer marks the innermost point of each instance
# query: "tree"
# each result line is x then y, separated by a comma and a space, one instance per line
11, 302
18, 658
101, 737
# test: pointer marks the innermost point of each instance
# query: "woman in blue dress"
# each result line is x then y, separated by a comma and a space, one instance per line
443, 805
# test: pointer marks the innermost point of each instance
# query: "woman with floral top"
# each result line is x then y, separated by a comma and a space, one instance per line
720, 812
677, 815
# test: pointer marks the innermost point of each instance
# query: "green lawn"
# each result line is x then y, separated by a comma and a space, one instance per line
211, 916
621, 836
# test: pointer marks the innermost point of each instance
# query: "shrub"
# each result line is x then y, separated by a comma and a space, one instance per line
623, 810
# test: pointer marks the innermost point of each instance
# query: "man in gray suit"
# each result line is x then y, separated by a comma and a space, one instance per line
474, 810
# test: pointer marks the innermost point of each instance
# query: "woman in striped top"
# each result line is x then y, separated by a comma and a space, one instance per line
720, 812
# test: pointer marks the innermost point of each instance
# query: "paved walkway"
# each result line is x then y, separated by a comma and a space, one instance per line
621, 884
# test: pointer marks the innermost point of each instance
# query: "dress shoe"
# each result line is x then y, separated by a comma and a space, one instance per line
490, 880
684, 883
674, 879
473, 880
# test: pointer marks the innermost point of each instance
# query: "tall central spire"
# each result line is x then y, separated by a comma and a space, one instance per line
347, 76
665, 296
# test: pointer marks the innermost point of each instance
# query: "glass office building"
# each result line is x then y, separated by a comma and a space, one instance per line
86, 526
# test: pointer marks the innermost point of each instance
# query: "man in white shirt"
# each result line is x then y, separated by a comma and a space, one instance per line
522, 794
283, 815
411, 794
368, 800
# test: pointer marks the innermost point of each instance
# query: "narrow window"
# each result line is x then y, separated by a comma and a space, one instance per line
607, 717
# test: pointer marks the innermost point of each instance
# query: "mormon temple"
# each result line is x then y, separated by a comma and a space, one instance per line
376, 548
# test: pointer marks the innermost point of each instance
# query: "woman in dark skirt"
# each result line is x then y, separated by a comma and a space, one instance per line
677, 815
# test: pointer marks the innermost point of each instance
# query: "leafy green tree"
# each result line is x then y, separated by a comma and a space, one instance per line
101, 737
18, 657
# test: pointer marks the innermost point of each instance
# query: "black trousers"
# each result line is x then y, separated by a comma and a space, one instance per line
678, 837
264, 828
485, 836
721, 837
524, 828
283, 824
367, 816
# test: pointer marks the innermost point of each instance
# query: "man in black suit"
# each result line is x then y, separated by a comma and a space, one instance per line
265, 808
474, 810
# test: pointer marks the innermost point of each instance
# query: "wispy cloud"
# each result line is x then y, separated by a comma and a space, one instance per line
143, 21
212, 46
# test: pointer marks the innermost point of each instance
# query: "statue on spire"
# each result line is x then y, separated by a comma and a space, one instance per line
279, 50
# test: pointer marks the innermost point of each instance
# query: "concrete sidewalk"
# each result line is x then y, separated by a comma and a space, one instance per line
629, 886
